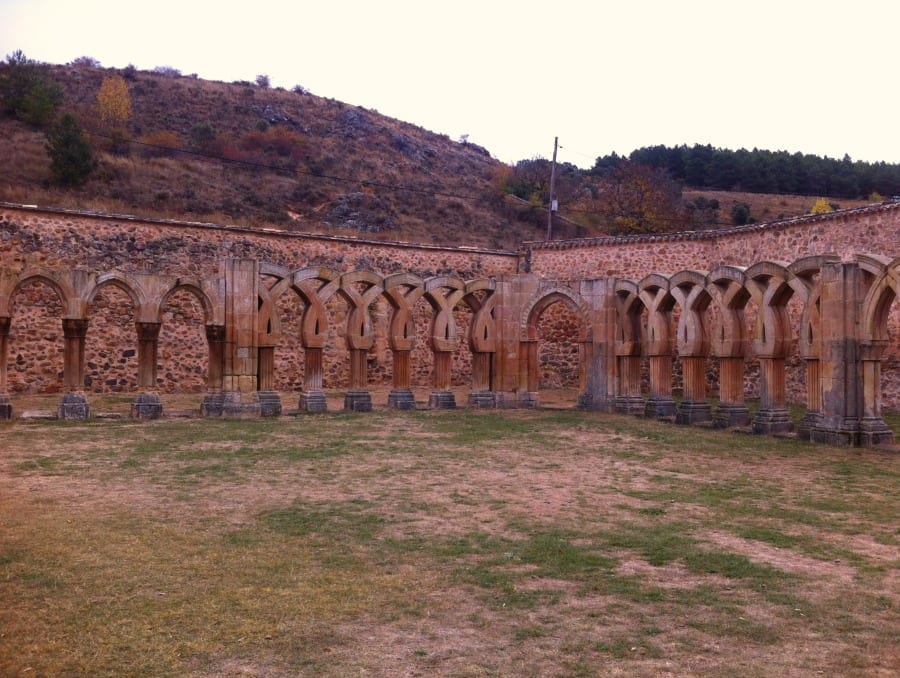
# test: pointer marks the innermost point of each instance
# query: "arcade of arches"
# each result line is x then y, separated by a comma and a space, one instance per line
658, 344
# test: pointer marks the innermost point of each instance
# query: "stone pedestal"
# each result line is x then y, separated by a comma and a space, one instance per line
269, 403
401, 399
358, 401
659, 407
771, 422
527, 399
807, 424
442, 400
74, 407
238, 405
313, 402
6, 409
146, 406
693, 412
845, 433
213, 403
486, 399
731, 415
873, 431
630, 405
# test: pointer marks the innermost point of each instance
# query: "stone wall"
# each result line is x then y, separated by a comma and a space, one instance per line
33, 238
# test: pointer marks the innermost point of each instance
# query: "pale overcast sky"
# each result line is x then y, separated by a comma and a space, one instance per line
796, 75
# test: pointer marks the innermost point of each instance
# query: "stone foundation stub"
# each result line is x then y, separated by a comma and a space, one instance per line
693, 412
241, 405
730, 415
313, 402
486, 399
401, 399
146, 406
358, 401
269, 403
771, 422
74, 407
659, 407
6, 409
442, 400
213, 404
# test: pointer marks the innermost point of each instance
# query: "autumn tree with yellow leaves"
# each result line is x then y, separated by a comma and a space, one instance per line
114, 109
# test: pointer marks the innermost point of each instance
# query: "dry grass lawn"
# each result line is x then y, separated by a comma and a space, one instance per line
460, 543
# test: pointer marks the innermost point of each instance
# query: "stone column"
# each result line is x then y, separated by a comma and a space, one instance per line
241, 355
598, 350
873, 429
146, 404
73, 404
813, 400
773, 415
850, 412
442, 397
214, 398
269, 398
511, 360
693, 408
312, 398
482, 395
5, 404
401, 396
358, 398
629, 399
660, 404
732, 411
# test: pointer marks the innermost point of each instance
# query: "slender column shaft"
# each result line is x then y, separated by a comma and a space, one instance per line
481, 371
358, 368
148, 343
661, 376
630, 376
694, 368
401, 378
5, 323
731, 380
813, 387
266, 367
772, 384
74, 333
312, 361
443, 361
215, 335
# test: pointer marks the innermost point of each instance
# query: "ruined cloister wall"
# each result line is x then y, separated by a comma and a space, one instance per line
866, 230
32, 238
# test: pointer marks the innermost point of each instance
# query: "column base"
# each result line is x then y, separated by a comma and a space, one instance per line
771, 422
313, 402
401, 399
630, 404
238, 405
693, 412
810, 421
845, 434
486, 399
731, 415
73, 407
146, 406
659, 407
873, 431
442, 400
213, 403
269, 403
6, 409
358, 401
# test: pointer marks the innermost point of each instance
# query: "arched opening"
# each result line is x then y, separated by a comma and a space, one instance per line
183, 350
557, 346
35, 345
111, 355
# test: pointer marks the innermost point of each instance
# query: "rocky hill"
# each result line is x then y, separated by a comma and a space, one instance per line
246, 153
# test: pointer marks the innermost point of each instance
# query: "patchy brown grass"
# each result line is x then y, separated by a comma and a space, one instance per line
461, 543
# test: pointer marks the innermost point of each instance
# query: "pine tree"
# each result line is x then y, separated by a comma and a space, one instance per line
71, 158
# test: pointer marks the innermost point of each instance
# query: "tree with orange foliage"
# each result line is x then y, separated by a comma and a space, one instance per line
635, 198
114, 108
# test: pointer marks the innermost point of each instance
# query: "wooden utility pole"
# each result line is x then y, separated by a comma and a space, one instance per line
552, 208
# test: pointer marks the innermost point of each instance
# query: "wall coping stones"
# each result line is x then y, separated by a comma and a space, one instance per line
711, 234
234, 228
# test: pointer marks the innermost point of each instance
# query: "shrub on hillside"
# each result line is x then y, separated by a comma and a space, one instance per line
71, 158
161, 143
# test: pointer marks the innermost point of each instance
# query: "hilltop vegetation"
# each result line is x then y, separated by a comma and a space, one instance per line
161, 144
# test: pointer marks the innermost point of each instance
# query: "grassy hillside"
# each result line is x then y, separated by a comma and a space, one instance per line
272, 158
